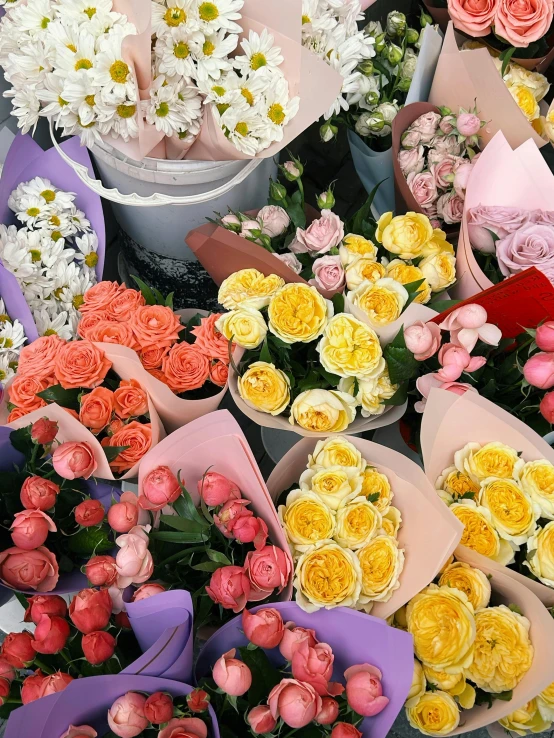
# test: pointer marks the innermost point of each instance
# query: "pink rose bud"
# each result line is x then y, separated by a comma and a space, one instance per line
295, 703
229, 587
53, 683
38, 494
160, 488
134, 561
314, 665
91, 610
216, 490
184, 728
345, 730
274, 220
364, 691
37, 569
291, 261
122, 516
422, 339
98, 646
89, 513
544, 337
44, 431
51, 634
198, 700
74, 460
126, 716
292, 169
231, 222
79, 731
547, 407
30, 689
17, 649
264, 628
261, 720
329, 274
248, 529
158, 708
147, 590
231, 675
468, 124
227, 517
7, 671
101, 571
293, 635
329, 711
539, 370
30, 529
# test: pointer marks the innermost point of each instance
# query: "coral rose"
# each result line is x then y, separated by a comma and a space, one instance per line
294, 702
23, 392
159, 488
101, 571
90, 610
345, 730
219, 373
17, 413
264, 628
209, 340
198, 700
153, 356
18, 650
98, 646
329, 711
124, 304
229, 587
38, 493
130, 400
267, 570
31, 687
23, 570
184, 728
96, 409
215, 489
314, 665
108, 331
155, 325
88, 323
231, 675
53, 683
126, 716
51, 634
150, 589
89, 513
100, 296
38, 359
40, 605
522, 23
293, 635
473, 17
261, 720
30, 529
122, 516
158, 708
185, 367
81, 364
74, 460
364, 691
138, 438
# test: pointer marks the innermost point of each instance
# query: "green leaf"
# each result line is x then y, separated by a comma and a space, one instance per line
182, 524
401, 363
21, 440
265, 354
64, 398
187, 509
112, 452
505, 57
297, 215
22, 600
264, 675
169, 537
338, 303
209, 566
399, 397
364, 213
333, 379
90, 540
515, 608
169, 300
441, 305
373, 497
217, 556
145, 290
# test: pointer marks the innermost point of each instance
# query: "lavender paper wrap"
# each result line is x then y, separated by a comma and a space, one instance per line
16, 304
86, 702
355, 638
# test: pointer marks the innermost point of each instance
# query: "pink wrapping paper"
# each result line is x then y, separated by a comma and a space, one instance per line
425, 554
412, 314
450, 421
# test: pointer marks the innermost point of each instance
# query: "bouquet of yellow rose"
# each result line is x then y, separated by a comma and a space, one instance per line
535, 716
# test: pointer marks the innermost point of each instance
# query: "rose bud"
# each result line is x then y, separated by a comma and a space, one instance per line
5, 688
329, 711
89, 513
158, 708
184, 728
198, 700
40, 605
544, 337
53, 683
539, 371
79, 731
51, 634
547, 407
126, 716
122, 620
229, 587
296, 703
293, 635
91, 610
314, 665
18, 650
7, 671
123, 516
30, 689
364, 691
44, 431
38, 493
251, 530
216, 490
147, 590
231, 675
229, 514
160, 488
261, 720
345, 730
101, 571
74, 460
264, 629
30, 529
98, 646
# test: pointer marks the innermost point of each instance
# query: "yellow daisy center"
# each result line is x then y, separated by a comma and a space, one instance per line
33, 212
276, 114
35, 255
2, 375
83, 64
222, 107
55, 236
174, 17
91, 260
77, 301
306, 19
90, 12
58, 292
44, 22
7, 342
257, 61
72, 48
48, 195
208, 48
126, 111
61, 102
50, 332
5, 318
90, 100
55, 221
208, 12
248, 96
162, 110
219, 91
119, 71
181, 50
242, 128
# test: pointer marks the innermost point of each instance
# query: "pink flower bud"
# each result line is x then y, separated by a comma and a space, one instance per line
30, 529
545, 336
98, 646
126, 716
468, 124
231, 675
423, 339
89, 513
264, 628
329, 711
158, 708
160, 488
547, 407
539, 370
38, 493
122, 516
293, 635
216, 490
74, 460
147, 590
101, 571
364, 691
261, 720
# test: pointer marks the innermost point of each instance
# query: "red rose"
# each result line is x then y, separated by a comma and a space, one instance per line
98, 646
30, 689
89, 513
51, 634
158, 708
40, 605
44, 431
18, 650
198, 700
101, 571
91, 610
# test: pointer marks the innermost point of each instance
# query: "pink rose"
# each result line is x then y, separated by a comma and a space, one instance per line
539, 370
428, 382
426, 125
216, 490
37, 569
329, 711
133, 562
231, 222
291, 261
30, 529
321, 236
247, 228
184, 728
231, 675
248, 529
423, 188
411, 139
468, 124
295, 703
547, 407
89, 513
521, 23
268, 569
274, 220
329, 274
293, 635
411, 160
473, 17
364, 691
122, 516
447, 124
443, 171
422, 339
543, 217
264, 628
345, 730
544, 337
261, 720
314, 665
79, 731
450, 207
229, 514
455, 360
160, 488
531, 245
229, 587
150, 589
446, 145
468, 324
498, 219
54, 683
126, 716
462, 172
74, 460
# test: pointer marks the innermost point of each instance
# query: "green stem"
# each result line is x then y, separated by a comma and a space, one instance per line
180, 554
12, 701
42, 666
301, 190
65, 656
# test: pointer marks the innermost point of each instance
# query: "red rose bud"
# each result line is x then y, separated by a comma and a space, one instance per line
547, 407
264, 629
345, 730
198, 700
38, 493
44, 431
6, 670
51, 634
40, 605
101, 571
30, 689
30, 529
18, 650
98, 647
147, 590
160, 488
89, 513
122, 516
53, 683
329, 711
158, 708
91, 610
122, 620
216, 490
5, 687
261, 720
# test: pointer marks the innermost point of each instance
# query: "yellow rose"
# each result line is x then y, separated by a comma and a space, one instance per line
265, 388
439, 270
357, 523
306, 519
400, 620
246, 327
391, 521
383, 222
537, 480
418, 687
469, 580
455, 484
503, 651
363, 270
491, 460
479, 532
525, 100
437, 244
541, 562
381, 301
298, 313
405, 235
353, 247
248, 288
349, 348
534, 81
336, 452
545, 700
406, 273
526, 719
376, 483
513, 514
381, 562
454, 684
327, 576
334, 485
371, 392
442, 623
435, 713
323, 411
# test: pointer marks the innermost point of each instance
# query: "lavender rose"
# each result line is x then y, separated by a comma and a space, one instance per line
500, 220
321, 236
531, 245
543, 217
423, 188
329, 274
411, 161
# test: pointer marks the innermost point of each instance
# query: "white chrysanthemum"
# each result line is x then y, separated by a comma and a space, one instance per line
26, 108
12, 336
47, 192
111, 72
175, 50
50, 95
278, 109
173, 14
81, 91
74, 58
34, 17
243, 127
7, 370
32, 209
87, 248
214, 15
118, 120
56, 324
73, 126
83, 11
260, 55
211, 54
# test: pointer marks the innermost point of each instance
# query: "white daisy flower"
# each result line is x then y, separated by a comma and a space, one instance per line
31, 62
54, 104
211, 54
49, 193
251, 88
34, 17
243, 127
75, 58
214, 15
84, 11
120, 121
111, 72
175, 52
87, 247
17, 260
80, 91
73, 126
7, 368
163, 110
79, 219
32, 209
260, 55
53, 324
278, 109
63, 33
173, 14
12, 336
71, 295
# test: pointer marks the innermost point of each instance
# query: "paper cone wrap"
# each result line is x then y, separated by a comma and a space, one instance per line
386, 333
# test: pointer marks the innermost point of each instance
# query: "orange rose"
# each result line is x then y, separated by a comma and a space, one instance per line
124, 304
219, 373
159, 375
81, 364
88, 322
153, 356
115, 425
23, 392
96, 409
130, 400
108, 331
186, 368
16, 413
100, 296
39, 357
138, 437
209, 340
155, 324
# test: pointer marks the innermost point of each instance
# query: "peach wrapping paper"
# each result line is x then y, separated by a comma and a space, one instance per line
424, 554
216, 441
449, 422
505, 176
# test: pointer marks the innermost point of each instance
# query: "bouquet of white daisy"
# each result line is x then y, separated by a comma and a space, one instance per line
12, 338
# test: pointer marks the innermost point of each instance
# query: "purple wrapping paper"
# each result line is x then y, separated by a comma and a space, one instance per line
16, 305
86, 702
356, 638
